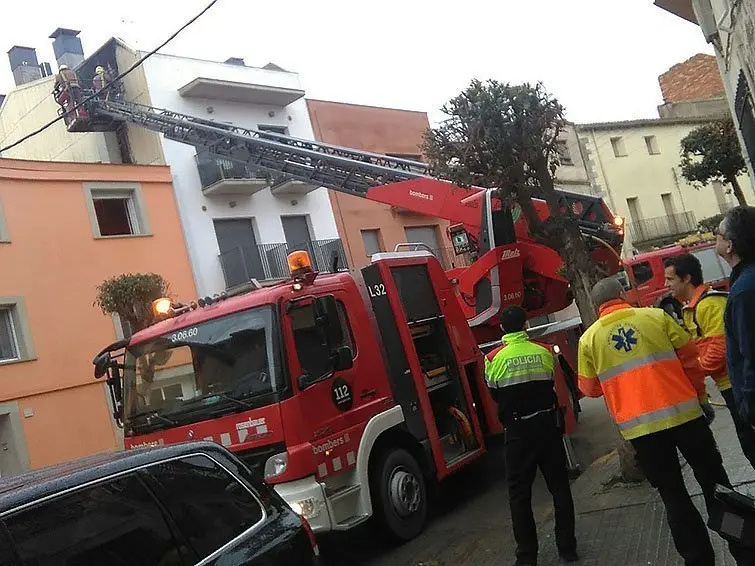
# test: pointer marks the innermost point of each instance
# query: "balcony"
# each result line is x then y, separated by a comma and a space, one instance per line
223, 177
268, 262
287, 186
661, 229
233, 91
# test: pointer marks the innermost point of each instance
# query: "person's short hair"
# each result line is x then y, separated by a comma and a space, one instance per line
738, 226
513, 319
686, 264
605, 290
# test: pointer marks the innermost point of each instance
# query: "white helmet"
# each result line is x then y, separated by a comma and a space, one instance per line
63, 67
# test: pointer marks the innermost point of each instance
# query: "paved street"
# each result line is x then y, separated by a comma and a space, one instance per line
471, 526
471, 522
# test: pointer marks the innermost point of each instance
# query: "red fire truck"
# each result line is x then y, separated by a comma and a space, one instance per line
349, 392
645, 271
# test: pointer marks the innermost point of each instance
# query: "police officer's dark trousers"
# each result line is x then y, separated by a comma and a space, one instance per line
744, 432
531, 444
657, 456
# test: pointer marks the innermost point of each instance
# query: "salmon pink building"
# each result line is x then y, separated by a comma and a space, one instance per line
64, 228
368, 227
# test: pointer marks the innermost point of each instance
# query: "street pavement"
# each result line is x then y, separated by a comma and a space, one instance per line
619, 524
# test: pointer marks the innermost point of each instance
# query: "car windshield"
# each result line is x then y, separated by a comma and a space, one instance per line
223, 365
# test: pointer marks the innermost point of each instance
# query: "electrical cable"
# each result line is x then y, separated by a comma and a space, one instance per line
107, 86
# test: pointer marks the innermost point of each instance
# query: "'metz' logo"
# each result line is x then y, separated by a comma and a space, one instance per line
418, 194
510, 254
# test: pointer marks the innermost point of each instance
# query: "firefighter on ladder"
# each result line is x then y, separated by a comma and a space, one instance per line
646, 367
520, 376
703, 317
67, 91
99, 81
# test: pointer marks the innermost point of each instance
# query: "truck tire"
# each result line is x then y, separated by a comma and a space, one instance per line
399, 494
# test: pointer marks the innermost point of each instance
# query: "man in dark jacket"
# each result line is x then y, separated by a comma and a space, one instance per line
736, 244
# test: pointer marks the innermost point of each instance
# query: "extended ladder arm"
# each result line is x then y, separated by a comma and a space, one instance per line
389, 180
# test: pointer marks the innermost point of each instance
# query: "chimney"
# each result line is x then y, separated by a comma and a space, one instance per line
67, 47
24, 64
235, 61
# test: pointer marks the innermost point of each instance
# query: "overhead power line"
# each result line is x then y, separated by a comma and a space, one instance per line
116, 79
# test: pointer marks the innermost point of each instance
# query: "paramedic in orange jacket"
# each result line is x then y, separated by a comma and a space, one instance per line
703, 316
645, 365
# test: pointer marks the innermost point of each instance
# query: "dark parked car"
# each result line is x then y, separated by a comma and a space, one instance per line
185, 504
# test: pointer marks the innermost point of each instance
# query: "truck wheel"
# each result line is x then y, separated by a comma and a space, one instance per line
399, 495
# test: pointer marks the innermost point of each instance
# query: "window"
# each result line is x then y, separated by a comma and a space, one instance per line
165, 394
15, 336
564, 156
714, 267
619, 150
371, 240
4, 234
8, 340
116, 522
122, 327
642, 272
116, 210
271, 128
313, 354
651, 142
209, 505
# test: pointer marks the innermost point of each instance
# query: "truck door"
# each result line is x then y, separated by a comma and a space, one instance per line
327, 404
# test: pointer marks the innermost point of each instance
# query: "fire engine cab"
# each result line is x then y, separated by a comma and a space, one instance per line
349, 393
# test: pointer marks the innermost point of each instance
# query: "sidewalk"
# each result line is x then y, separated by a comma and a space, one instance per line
626, 524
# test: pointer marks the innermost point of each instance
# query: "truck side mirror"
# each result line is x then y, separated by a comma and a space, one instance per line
101, 365
342, 358
327, 320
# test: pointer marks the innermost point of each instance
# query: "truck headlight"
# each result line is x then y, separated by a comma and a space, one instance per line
276, 465
308, 508
557, 349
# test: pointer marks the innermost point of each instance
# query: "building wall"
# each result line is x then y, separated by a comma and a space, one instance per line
697, 78
53, 262
647, 177
573, 176
165, 75
378, 130
29, 107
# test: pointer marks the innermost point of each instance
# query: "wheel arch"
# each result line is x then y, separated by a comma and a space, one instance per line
383, 431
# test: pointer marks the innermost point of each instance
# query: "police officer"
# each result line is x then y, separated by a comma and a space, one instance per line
520, 376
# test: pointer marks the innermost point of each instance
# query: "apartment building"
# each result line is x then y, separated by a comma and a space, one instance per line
239, 222
368, 227
65, 228
635, 165
729, 26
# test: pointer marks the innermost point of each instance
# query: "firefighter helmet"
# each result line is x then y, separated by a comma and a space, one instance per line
99, 70
63, 68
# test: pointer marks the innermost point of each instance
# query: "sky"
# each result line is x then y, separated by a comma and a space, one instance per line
601, 58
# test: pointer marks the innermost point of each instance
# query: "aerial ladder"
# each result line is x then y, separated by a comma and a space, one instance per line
507, 265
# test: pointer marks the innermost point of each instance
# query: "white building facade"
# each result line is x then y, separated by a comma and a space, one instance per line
239, 222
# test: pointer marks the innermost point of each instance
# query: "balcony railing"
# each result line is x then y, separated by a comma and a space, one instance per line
224, 176
661, 227
269, 261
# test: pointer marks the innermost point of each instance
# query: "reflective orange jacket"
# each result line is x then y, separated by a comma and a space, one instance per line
645, 365
709, 334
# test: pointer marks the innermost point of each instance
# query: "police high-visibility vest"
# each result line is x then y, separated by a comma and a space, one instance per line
704, 319
520, 361
645, 365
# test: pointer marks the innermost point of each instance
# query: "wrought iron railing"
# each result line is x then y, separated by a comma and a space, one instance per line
269, 261
660, 227
213, 169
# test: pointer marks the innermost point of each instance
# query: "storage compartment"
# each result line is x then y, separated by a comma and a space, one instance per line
443, 384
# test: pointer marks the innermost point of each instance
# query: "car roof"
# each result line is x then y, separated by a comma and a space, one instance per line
20, 490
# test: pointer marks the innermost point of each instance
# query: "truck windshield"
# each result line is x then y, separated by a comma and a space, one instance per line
225, 365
